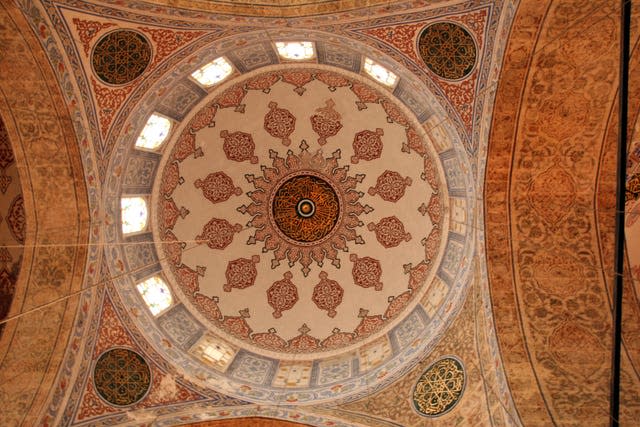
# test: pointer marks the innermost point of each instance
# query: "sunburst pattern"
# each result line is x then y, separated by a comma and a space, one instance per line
331, 229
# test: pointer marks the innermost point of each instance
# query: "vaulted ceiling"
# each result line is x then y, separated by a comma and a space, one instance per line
326, 247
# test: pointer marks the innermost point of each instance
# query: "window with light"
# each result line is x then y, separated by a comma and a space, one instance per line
296, 51
213, 72
155, 294
379, 73
213, 351
133, 214
155, 132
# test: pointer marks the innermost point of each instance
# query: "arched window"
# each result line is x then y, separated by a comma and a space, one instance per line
214, 72
134, 214
156, 294
295, 50
154, 133
379, 73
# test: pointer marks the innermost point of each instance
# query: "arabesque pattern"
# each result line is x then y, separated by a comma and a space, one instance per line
448, 50
121, 376
439, 388
121, 56
276, 279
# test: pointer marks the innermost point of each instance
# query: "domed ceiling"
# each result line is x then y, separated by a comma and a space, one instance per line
301, 216
390, 223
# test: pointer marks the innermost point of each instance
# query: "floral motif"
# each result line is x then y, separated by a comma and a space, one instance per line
121, 376
593, 354
400, 36
434, 209
171, 213
121, 56
414, 142
237, 325
439, 388
390, 186
337, 339
232, 97
389, 231
262, 82
279, 123
239, 146
367, 145
552, 193
167, 41
87, 30
417, 274
327, 122
109, 101
218, 233
365, 94
217, 187
368, 324
327, 294
332, 80
241, 273
186, 146
209, 306
173, 248
430, 243
393, 113
304, 342
171, 178
298, 78
429, 173
203, 118
189, 279
397, 304
270, 340
16, 219
448, 50
366, 272
282, 295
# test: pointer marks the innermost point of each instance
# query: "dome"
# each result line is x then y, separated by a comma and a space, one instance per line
301, 216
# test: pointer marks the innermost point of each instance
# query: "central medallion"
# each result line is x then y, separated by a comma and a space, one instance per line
305, 208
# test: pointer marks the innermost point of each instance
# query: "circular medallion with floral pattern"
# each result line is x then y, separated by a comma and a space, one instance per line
121, 376
121, 56
448, 50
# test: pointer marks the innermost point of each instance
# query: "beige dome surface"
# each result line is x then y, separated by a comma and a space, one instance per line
270, 276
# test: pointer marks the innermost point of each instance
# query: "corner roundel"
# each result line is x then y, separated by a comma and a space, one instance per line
439, 388
121, 56
121, 376
448, 50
